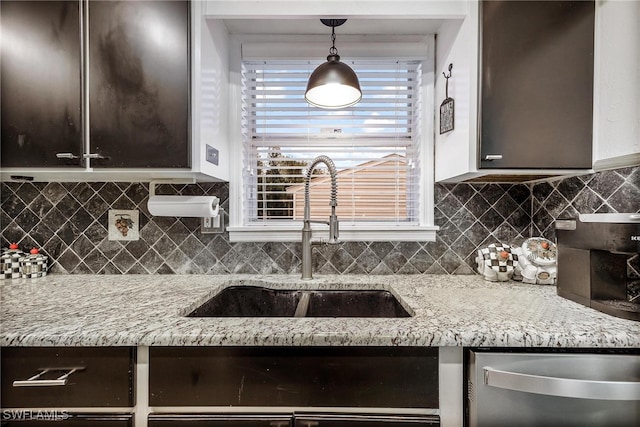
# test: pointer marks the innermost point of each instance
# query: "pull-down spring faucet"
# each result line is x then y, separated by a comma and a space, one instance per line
307, 242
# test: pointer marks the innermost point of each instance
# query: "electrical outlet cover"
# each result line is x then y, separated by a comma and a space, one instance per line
124, 225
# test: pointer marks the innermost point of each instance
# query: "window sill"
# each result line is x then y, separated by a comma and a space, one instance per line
369, 233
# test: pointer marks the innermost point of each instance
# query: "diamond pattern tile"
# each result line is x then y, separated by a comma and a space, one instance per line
607, 191
68, 221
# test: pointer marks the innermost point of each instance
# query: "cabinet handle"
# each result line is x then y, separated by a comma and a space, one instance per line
491, 157
35, 380
94, 156
86, 156
67, 156
563, 387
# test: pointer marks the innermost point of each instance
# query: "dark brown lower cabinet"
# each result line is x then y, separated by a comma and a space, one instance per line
365, 420
26, 418
40, 383
214, 420
354, 377
103, 377
294, 386
294, 420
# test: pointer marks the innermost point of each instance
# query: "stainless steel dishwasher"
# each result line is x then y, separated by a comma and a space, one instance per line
553, 389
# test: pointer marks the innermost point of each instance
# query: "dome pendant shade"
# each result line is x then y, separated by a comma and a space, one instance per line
333, 85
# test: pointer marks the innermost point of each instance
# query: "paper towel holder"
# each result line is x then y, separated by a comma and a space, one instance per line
152, 184
181, 206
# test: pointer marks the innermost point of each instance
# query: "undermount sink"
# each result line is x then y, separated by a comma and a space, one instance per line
256, 301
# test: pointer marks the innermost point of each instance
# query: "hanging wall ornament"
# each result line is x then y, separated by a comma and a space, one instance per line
447, 107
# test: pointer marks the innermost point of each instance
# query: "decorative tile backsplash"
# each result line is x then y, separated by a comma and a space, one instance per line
603, 192
69, 222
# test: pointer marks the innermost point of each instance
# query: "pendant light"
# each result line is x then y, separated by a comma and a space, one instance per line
333, 84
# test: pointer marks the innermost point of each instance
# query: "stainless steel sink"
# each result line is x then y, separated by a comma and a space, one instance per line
257, 301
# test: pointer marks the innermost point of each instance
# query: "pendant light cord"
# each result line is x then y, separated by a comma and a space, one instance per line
332, 49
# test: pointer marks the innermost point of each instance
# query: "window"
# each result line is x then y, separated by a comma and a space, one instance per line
376, 145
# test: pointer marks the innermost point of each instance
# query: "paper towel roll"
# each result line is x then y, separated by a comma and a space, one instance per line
190, 206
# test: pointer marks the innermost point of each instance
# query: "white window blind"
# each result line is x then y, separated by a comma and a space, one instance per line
374, 144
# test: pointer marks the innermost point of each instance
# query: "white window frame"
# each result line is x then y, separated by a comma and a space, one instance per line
283, 47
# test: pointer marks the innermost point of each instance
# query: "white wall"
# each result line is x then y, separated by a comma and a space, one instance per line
211, 95
617, 82
457, 44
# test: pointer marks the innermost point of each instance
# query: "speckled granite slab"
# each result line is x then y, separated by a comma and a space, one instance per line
76, 310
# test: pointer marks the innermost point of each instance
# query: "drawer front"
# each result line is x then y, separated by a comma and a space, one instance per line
63, 419
387, 377
310, 420
219, 420
371, 420
102, 376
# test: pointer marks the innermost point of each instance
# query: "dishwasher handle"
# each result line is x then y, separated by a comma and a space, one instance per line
562, 387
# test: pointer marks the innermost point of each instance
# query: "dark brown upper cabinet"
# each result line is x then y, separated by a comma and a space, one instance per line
41, 81
537, 84
139, 83
135, 71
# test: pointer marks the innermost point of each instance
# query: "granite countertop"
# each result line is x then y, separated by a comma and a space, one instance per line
128, 310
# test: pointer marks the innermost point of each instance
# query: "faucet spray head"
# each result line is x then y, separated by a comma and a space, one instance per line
334, 231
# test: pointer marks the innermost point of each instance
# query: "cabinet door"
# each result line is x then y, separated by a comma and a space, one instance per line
139, 83
537, 84
373, 377
40, 75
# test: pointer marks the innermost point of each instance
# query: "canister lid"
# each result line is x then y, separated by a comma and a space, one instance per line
540, 251
33, 256
12, 252
33, 265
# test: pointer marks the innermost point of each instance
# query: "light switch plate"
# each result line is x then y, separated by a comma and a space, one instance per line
124, 225
212, 155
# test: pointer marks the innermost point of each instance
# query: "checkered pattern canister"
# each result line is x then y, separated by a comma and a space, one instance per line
498, 262
499, 257
33, 265
10, 262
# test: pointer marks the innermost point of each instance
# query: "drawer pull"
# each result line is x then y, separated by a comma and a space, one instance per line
67, 156
491, 157
35, 380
